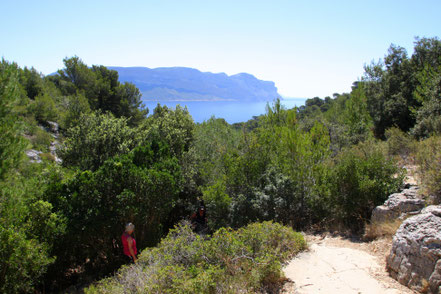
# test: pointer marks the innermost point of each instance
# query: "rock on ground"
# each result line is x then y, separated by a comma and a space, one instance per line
34, 155
415, 258
404, 203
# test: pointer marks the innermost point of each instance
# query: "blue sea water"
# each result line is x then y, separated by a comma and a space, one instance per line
231, 111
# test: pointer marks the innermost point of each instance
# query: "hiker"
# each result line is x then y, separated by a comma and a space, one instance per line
199, 220
129, 243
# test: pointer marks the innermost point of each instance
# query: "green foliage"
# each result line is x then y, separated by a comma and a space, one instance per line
398, 142
218, 204
75, 107
361, 179
356, 116
11, 143
389, 88
98, 138
175, 127
28, 228
285, 173
40, 139
101, 88
43, 108
429, 161
141, 187
23, 261
427, 60
316, 164
213, 139
247, 260
428, 93
276, 176
32, 82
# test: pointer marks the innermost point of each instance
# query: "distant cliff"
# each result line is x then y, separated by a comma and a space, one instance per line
185, 84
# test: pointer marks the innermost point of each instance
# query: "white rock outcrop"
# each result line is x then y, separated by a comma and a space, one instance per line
34, 155
399, 205
415, 258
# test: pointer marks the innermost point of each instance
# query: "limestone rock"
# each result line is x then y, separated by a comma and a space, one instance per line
405, 202
53, 150
54, 127
34, 155
416, 251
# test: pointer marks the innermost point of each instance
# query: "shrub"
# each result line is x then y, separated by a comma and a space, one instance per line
361, 179
98, 138
398, 142
141, 187
218, 204
75, 107
48, 156
43, 108
40, 139
246, 260
28, 228
11, 142
429, 161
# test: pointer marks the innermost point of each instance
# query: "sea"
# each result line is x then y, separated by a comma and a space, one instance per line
231, 111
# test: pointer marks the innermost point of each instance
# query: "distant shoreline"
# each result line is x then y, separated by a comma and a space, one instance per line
218, 100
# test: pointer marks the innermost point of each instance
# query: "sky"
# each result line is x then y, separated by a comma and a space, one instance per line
308, 48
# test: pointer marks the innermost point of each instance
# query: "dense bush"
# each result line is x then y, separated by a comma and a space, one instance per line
399, 142
429, 161
101, 88
11, 143
28, 228
247, 260
361, 179
141, 187
98, 138
44, 108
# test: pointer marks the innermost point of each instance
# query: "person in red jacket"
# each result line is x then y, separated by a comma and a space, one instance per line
129, 243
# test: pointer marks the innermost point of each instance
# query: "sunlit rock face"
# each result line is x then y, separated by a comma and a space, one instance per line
415, 258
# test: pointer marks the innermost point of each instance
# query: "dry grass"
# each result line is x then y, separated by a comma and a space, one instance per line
425, 286
379, 230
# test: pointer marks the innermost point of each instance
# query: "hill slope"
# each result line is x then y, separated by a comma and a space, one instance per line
184, 84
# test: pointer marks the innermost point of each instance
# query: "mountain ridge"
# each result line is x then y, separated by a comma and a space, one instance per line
190, 84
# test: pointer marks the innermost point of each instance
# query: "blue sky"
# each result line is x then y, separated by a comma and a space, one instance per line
308, 48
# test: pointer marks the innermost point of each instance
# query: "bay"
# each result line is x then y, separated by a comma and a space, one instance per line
231, 111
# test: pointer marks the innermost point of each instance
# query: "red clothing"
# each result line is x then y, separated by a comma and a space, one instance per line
126, 244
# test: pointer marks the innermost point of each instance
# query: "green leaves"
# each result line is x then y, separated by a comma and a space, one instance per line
98, 138
246, 260
28, 228
101, 88
361, 179
11, 143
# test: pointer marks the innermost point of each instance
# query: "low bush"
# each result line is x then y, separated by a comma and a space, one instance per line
41, 139
429, 161
398, 142
361, 179
246, 260
43, 108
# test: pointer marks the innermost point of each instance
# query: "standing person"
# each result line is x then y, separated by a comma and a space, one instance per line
199, 220
129, 243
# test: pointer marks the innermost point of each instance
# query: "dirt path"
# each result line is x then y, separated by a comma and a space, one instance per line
334, 265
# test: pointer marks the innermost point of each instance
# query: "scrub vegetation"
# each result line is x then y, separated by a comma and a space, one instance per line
324, 165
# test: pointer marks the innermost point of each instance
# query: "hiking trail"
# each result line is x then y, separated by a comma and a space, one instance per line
337, 265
